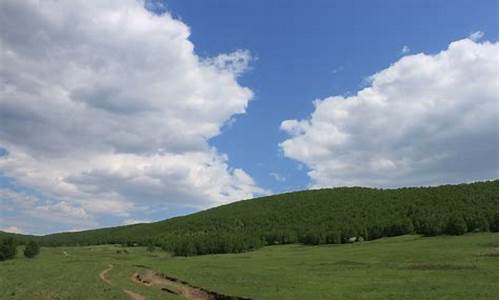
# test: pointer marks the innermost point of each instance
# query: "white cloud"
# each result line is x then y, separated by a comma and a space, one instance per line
134, 221
277, 177
12, 229
106, 108
235, 63
476, 36
427, 119
35, 214
405, 50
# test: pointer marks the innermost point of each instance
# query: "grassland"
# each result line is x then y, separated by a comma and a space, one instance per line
405, 267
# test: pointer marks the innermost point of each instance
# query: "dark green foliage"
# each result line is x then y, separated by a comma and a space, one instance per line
8, 248
313, 238
150, 247
20, 239
494, 221
477, 223
430, 225
32, 249
210, 243
333, 237
314, 217
456, 225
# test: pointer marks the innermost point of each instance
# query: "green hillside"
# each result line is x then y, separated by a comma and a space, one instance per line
324, 216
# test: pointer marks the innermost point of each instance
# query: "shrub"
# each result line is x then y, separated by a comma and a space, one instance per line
150, 247
456, 225
32, 249
334, 237
8, 249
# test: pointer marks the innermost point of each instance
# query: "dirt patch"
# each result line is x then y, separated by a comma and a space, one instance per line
440, 267
134, 296
179, 287
350, 263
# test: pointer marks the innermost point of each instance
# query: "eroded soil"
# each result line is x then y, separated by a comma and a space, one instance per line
168, 284
132, 295
175, 286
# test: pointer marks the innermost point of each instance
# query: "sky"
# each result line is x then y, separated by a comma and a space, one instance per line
117, 112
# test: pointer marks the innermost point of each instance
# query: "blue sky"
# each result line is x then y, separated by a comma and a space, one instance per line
312, 49
109, 117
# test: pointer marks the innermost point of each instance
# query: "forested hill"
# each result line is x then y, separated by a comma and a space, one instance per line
312, 217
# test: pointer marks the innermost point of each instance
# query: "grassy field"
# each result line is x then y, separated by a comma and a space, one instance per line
406, 267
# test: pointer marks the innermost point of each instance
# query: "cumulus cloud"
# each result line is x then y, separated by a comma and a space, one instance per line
107, 109
235, 63
12, 229
31, 213
426, 119
405, 50
476, 36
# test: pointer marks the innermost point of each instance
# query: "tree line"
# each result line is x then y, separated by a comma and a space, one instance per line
8, 248
313, 217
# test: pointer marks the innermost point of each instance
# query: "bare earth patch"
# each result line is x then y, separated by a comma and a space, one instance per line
178, 287
132, 295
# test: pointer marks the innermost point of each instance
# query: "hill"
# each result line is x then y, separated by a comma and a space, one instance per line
323, 216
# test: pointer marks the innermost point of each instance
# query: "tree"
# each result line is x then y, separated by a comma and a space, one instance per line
334, 237
8, 249
150, 247
494, 222
456, 225
32, 249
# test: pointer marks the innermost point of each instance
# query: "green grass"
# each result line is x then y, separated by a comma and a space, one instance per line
406, 267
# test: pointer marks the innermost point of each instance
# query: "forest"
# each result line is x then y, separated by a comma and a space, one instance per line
313, 217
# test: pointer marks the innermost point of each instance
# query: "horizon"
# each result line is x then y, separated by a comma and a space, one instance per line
249, 199
131, 112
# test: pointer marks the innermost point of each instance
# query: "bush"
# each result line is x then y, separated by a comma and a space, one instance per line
32, 249
8, 249
494, 223
456, 226
334, 237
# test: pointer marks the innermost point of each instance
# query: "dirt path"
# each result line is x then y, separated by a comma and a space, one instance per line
132, 295
102, 275
178, 287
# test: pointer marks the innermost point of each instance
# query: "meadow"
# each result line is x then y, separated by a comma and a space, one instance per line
403, 267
